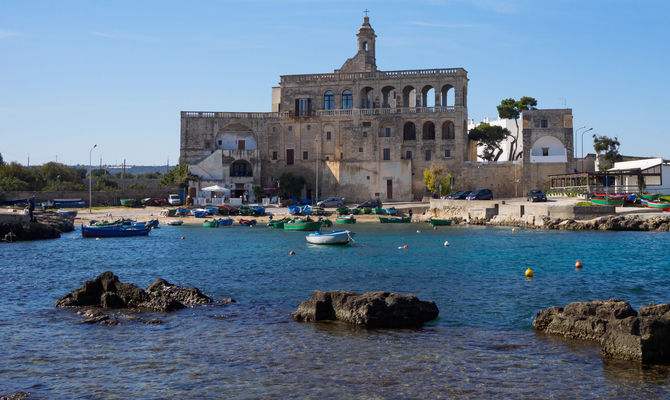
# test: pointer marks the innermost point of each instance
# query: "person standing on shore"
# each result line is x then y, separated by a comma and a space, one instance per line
31, 208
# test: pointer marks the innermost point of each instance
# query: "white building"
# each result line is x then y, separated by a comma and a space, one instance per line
653, 171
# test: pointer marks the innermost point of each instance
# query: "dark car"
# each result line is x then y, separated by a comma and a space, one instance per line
370, 204
331, 202
536, 195
458, 195
481, 194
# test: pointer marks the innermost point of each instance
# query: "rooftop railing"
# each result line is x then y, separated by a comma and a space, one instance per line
411, 73
319, 113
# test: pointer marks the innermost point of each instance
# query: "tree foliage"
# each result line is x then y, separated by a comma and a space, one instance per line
512, 109
607, 150
50, 176
437, 180
490, 138
178, 175
105, 184
290, 185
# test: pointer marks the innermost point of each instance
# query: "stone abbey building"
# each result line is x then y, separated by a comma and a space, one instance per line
357, 133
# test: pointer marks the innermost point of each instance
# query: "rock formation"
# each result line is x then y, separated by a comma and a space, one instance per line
107, 292
616, 326
369, 310
49, 226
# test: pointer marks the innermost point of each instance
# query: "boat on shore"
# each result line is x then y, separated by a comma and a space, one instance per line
225, 222
346, 220
72, 213
658, 205
439, 222
114, 231
335, 237
608, 201
128, 202
650, 196
395, 220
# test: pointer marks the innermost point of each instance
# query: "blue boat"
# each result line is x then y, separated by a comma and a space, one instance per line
114, 231
198, 213
294, 210
72, 213
227, 221
211, 210
391, 211
306, 210
258, 210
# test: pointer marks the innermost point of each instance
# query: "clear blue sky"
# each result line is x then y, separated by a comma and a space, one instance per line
117, 73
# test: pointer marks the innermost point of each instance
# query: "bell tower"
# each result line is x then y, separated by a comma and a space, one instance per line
364, 60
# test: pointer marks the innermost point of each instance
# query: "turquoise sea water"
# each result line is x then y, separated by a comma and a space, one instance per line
481, 346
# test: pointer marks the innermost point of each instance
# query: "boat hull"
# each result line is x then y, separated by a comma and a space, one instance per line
175, 222
657, 205
395, 220
302, 226
607, 201
331, 238
439, 222
113, 231
650, 196
345, 220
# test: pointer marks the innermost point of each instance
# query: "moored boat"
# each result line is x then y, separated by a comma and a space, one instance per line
247, 222
72, 213
650, 196
175, 222
391, 211
346, 220
607, 201
379, 210
326, 223
659, 205
211, 223
278, 223
335, 237
114, 231
439, 222
302, 225
225, 222
395, 220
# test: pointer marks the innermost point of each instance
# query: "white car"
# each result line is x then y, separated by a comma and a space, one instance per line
174, 199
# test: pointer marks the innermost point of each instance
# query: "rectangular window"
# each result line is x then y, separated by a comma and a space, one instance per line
545, 151
328, 134
289, 156
360, 149
341, 156
387, 154
427, 155
387, 132
303, 107
408, 154
365, 134
367, 123
274, 155
544, 123
304, 155
447, 153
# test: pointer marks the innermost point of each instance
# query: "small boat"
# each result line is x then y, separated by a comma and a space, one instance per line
650, 196
258, 210
342, 211
659, 205
326, 222
379, 210
366, 211
607, 201
278, 223
435, 222
391, 211
346, 220
199, 213
225, 222
335, 237
306, 210
211, 223
128, 202
114, 231
211, 210
72, 213
395, 220
302, 225
354, 211
175, 222
247, 222
182, 211
67, 203
294, 210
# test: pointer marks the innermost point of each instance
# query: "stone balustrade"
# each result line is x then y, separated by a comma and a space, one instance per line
342, 76
320, 113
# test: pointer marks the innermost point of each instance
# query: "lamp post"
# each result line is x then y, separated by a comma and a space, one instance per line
575, 139
590, 129
90, 186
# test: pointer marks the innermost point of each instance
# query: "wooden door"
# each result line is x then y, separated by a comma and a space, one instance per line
240, 144
389, 188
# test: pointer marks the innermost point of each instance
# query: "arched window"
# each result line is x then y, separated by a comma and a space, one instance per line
409, 131
347, 100
241, 168
448, 130
328, 100
428, 131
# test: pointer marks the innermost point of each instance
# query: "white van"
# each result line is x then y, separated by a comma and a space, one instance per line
174, 199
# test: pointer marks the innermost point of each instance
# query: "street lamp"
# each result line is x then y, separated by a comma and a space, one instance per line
590, 129
574, 145
90, 186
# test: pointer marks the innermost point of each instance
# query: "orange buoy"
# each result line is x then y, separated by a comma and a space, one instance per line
435, 228
404, 247
578, 264
183, 237
291, 253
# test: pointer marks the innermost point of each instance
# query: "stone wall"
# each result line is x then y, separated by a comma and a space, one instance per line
98, 198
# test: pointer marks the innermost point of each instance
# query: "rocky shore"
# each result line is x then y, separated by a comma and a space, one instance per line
608, 223
368, 310
49, 225
622, 332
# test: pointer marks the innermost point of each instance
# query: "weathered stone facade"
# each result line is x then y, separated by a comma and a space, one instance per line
368, 133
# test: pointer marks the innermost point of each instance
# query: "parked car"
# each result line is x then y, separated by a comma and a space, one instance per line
481, 194
331, 202
370, 204
536, 195
174, 199
458, 195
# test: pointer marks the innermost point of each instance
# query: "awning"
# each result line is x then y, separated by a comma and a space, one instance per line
216, 188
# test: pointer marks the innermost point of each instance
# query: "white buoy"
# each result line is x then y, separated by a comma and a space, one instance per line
446, 243
418, 231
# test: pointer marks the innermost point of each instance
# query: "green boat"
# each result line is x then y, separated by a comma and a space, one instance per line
278, 223
435, 222
607, 201
650, 196
342, 211
128, 202
395, 220
354, 211
326, 223
345, 220
302, 226
379, 210
211, 224
658, 205
366, 211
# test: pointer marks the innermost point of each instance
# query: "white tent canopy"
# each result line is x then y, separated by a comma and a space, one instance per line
216, 188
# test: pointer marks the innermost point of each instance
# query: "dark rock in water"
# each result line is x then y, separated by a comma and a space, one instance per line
153, 321
616, 326
16, 396
107, 292
370, 310
49, 226
93, 316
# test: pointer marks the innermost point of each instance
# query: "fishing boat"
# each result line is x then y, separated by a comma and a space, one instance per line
366, 211
326, 223
295, 210
225, 222
302, 225
391, 211
214, 223
128, 202
114, 231
175, 222
378, 210
335, 237
182, 211
650, 196
247, 222
258, 210
346, 220
199, 213
72, 213
395, 220
342, 211
607, 201
659, 205
67, 203
278, 223
439, 222
211, 210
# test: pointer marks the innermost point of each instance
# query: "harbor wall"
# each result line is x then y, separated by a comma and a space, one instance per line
111, 198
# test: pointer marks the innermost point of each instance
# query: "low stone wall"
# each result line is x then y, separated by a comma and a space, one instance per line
98, 198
